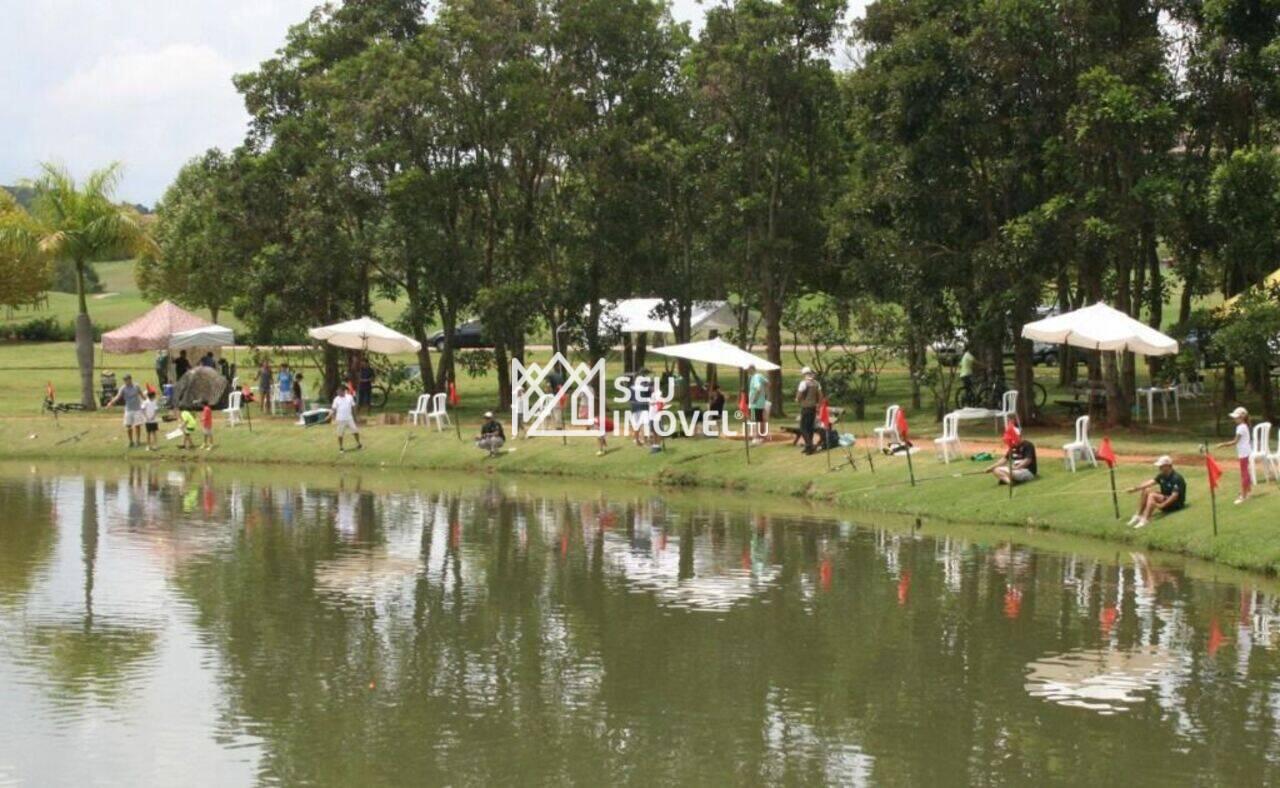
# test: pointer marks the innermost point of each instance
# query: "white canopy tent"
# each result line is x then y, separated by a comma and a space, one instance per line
716, 351
641, 315
210, 336
366, 334
1100, 327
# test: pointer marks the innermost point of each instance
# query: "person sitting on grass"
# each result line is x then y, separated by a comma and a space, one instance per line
1171, 497
1018, 465
206, 423
151, 419
491, 437
188, 428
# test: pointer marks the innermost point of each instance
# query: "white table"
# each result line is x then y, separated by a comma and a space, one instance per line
1166, 393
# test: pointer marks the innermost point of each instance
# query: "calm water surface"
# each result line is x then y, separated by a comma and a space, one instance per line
170, 627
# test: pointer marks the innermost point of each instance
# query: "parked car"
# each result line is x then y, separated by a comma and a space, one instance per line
1044, 353
465, 335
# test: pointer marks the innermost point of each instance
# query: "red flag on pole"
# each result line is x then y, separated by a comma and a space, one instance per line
453, 394
1011, 435
1106, 453
902, 426
742, 403
824, 414
1215, 471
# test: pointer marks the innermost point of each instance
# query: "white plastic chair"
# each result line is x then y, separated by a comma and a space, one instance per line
1273, 459
1079, 446
1008, 406
419, 412
233, 408
890, 428
439, 412
1261, 452
950, 437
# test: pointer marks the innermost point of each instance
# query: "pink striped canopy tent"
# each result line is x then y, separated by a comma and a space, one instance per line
152, 330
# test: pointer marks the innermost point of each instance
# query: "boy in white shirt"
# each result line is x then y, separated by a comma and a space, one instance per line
344, 417
151, 419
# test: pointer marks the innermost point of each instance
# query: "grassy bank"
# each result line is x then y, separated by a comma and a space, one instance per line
1078, 504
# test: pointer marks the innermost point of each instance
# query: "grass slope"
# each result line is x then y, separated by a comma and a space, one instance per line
1078, 504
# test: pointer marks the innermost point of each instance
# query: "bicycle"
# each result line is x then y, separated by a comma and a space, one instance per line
987, 392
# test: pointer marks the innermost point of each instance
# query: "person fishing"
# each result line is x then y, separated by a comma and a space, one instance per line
1019, 463
1167, 492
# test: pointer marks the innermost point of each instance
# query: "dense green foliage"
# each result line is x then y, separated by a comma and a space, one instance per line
970, 161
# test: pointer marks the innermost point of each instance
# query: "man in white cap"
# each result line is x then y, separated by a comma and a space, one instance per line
492, 436
1167, 492
808, 397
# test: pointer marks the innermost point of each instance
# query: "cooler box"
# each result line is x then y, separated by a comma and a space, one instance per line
311, 418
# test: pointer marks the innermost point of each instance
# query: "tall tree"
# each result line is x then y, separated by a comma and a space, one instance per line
763, 71
204, 244
80, 222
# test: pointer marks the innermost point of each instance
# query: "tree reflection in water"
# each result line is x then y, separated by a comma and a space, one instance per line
468, 633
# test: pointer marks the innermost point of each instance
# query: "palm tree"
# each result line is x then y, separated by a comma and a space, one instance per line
81, 223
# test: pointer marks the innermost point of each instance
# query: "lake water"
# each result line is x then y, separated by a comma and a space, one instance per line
169, 626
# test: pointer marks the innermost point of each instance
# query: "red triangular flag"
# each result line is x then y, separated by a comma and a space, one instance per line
824, 414
453, 394
1011, 435
48, 390
742, 403
902, 426
1106, 453
1215, 471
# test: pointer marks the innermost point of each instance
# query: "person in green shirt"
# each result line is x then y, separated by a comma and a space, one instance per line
1167, 492
757, 400
188, 428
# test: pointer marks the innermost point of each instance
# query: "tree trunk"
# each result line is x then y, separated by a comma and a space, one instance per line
84, 343
504, 374
332, 375
1117, 407
1024, 375
773, 348
641, 340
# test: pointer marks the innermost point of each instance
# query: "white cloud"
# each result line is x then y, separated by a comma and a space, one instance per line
133, 78
143, 82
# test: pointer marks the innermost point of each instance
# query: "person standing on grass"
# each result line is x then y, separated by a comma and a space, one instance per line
641, 393
206, 423
285, 380
1243, 441
188, 428
299, 398
365, 381
757, 401
181, 366
131, 395
344, 417
808, 397
150, 417
162, 367
1171, 496
264, 386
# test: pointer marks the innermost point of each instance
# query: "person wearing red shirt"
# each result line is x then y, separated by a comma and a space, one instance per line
206, 422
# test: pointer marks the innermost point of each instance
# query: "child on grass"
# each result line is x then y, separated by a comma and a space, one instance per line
206, 421
188, 428
151, 417
1243, 442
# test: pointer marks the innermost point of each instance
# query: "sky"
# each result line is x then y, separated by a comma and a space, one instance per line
146, 83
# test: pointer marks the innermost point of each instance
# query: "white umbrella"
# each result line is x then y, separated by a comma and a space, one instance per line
365, 333
716, 351
1100, 327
